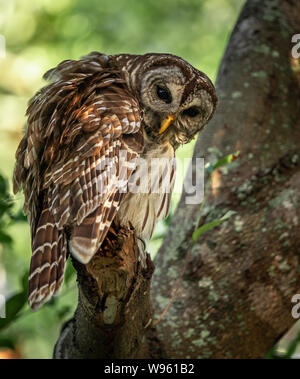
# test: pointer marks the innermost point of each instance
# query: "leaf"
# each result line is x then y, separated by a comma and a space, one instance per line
61, 313
24, 281
226, 160
13, 307
5, 205
3, 186
5, 238
70, 271
158, 237
292, 347
210, 168
167, 221
204, 228
271, 354
52, 302
7, 342
19, 217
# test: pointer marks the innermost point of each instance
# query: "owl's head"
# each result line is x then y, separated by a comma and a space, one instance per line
177, 100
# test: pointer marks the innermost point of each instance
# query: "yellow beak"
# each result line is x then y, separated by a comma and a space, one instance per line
165, 124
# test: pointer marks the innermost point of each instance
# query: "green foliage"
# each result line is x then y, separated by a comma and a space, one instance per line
16, 307
7, 216
69, 273
7, 342
222, 162
206, 227
5, 238
5, 201
289, 352
13, 307
17, 300
292, 347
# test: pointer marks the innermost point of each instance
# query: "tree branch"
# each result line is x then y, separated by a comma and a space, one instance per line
114, 307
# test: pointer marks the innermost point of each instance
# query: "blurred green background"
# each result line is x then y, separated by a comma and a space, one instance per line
41, 33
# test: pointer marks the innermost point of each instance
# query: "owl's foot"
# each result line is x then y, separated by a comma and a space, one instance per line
142, 252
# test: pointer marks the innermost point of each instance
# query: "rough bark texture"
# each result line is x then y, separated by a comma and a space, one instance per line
235, 298
114, 312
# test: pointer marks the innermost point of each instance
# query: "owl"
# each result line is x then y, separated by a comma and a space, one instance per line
86, 132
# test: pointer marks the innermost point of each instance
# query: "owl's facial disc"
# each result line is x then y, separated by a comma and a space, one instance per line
193, 115
174, 107
162, 88
160, 94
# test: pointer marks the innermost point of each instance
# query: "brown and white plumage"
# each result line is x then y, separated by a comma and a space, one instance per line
70, 163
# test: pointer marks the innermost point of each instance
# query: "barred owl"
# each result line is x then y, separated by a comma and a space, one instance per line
69, 162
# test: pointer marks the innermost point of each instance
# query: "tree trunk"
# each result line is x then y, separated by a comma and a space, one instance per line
114, 313
235, 296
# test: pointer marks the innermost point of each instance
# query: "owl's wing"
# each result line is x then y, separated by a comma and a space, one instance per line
83, 137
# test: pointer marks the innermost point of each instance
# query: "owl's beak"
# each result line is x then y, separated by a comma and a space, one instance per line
165, 124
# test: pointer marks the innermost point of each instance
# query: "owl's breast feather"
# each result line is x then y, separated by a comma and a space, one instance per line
149, 190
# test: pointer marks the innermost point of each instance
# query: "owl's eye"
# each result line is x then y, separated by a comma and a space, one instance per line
164, 94
191, 112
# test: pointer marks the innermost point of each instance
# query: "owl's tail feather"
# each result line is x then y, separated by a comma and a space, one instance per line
49, 254
87, 237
